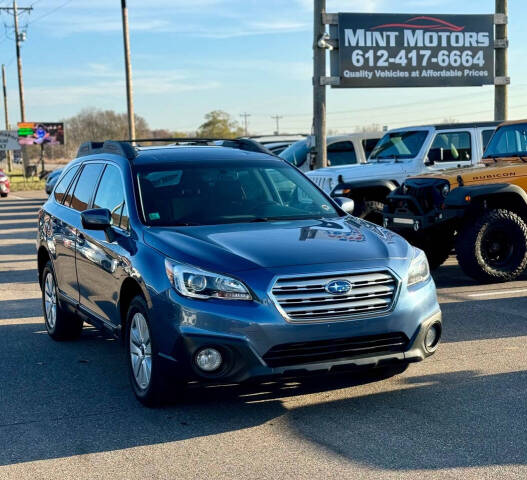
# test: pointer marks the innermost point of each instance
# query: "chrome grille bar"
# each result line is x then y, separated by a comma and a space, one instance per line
304, 298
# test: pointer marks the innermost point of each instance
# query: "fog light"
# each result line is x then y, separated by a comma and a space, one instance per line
208, 359
432, 337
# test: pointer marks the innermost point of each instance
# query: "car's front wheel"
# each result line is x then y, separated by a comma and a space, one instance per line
60, 324
151, 385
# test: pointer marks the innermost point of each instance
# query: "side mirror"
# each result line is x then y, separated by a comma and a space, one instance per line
98, 219
428, 162
345, 203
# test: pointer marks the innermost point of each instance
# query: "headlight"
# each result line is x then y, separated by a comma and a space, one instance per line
196, 283
445, 189
419, 271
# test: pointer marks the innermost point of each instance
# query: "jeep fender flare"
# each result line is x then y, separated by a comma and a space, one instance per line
365, 185
458, 196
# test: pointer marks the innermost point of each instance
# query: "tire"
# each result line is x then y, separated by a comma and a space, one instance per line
3, 195
60, 324
147, 377
493, 248
370, 210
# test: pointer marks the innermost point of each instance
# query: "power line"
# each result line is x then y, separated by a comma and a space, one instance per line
48, 13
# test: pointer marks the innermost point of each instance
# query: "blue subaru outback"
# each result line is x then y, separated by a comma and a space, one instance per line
219, 264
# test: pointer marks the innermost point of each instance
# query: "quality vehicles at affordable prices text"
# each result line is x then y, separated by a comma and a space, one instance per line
217, 264
402, 153
481, 211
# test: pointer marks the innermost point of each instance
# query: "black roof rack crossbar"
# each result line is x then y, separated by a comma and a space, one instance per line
122, 149
239, 143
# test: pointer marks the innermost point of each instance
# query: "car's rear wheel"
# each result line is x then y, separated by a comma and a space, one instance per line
151, 385
493, 248
3, 195
60, 324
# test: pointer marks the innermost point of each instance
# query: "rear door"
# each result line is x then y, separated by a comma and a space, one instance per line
63, 233
341, 153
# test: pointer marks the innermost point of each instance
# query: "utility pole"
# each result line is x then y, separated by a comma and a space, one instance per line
319, 91
277, 118
245, 116
7, 152
501, 88
128, 68
18, 39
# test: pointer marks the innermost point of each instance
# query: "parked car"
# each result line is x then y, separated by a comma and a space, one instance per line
51, 180
481, 211
341, 150
278, 147
4, 184
174, 249
402, 153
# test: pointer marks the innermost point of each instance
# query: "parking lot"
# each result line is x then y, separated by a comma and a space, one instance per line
66, 410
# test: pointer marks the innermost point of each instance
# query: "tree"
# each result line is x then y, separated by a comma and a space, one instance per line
98, 125
219, 124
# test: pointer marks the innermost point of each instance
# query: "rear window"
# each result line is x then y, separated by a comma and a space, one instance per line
62, 186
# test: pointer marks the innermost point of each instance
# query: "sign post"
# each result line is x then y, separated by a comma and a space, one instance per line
319, 88
403, 50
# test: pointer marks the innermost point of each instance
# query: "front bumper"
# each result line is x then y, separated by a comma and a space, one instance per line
247, 343
405, 213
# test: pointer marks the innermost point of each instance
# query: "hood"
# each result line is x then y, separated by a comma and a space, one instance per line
357, 172
237, 247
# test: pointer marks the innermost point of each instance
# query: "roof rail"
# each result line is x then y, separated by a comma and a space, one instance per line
123, 149
239, 143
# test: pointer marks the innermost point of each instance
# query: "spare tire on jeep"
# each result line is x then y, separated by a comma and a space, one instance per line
493, 247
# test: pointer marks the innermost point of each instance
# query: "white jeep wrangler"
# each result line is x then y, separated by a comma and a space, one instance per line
402, 153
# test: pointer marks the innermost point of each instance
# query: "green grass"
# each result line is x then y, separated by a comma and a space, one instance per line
19, 183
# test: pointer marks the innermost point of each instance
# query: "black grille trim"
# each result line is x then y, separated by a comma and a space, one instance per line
339, 349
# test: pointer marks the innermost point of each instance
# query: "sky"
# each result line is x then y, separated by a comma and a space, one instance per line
242, 56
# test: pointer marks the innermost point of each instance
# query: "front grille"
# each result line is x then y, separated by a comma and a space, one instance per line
322, 182
305, 299
339, 349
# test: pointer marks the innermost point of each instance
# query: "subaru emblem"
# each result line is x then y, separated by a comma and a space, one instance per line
338, 287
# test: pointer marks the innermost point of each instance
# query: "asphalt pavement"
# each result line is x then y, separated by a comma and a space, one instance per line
66, 410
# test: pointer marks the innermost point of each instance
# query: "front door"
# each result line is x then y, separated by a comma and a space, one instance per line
102, 261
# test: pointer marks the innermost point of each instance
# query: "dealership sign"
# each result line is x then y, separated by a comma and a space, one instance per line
9, 140
394, 50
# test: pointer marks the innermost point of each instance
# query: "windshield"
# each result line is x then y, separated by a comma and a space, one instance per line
399, 145
236, 192
296, 153
508, 141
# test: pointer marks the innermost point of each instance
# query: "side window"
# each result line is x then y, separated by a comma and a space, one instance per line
85, 185
451, 147
369, 144
60, 189
110, 195
486, 135
341, 153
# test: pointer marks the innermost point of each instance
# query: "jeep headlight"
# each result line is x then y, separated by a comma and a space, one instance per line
419, 270
445, 189
194, 282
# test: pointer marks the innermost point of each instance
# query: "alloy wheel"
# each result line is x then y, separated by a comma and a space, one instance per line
140, 351
50, 300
